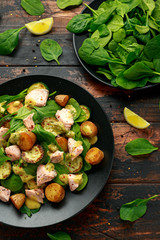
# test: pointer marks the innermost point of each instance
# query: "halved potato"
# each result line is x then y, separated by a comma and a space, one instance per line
14, 106
88, 129
32, 204
63, 143
5, 170
54, 192
34, 155
94, 156
62, 99
26, 140
18, 200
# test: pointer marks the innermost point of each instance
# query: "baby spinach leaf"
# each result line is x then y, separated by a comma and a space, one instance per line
129, 84
101, 40
62, 4
134, 210
3, 157
93, 54
116, 68
103, 30
156, 10
33, 7
59, 236
77, 110
24, 209
119, 35
139, 70
115, 23
9, 98
142, 29
22, 113
50, 50
43, 135
147, 6
139, 146
79, 23
105, 72
15, 124
155, 79
14, 183
101, 19
152, 48
76, 129
123, 7
86, 166
9, 41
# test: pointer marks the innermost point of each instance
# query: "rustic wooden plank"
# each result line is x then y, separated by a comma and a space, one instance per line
101, 219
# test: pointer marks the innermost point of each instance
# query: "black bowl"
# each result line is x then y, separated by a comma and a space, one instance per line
74, 202
91, 69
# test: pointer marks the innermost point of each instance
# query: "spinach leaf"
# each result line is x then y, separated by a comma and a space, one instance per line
22, 113
62, 4
156, 10
84, 182
129, 84
140, 146
147, 6
33, 7
47, 111
50, 50
43, 135
119, 35
15, 124
14, 183
3, 157
75, 106
93, 54
105, 72
134, 210
76, 129
116, 68
152, 48
155, 79
59, 236
9, 41
86, 166
128, 51
24, 209
142, 29
79, 23
139, 70
101, 40
85, 143
102, 18
60, 169
123, 7
30, 169
115, 23
9, 98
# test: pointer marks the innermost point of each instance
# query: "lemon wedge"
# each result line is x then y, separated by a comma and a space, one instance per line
135, 120
40, 27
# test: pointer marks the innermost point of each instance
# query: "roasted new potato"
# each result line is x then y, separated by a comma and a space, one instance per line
14, 106
18, 200
26, 140
54, 192
63, 143
62, 99
32, 204
88, 129
94, 156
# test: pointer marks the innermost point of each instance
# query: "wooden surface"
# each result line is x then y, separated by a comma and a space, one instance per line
131, 177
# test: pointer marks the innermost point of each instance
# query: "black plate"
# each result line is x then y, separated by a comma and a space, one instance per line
77, 43
73, 202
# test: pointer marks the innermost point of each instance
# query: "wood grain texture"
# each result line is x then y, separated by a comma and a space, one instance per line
131, 177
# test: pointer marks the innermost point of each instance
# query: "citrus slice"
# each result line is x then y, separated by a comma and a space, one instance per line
135, 120
40, 27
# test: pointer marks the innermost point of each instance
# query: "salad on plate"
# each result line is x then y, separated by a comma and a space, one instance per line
46, 146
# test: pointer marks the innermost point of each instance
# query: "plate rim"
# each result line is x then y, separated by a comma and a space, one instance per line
111, 159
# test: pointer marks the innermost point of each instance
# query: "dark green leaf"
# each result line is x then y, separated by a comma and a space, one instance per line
134, 210
140, 146
9, 41
33, 7
77, 110
3, 157
62, 4
59, 236
24, 209
152, 48
9, 98
50, 50
84, 182
14, 183
79, 23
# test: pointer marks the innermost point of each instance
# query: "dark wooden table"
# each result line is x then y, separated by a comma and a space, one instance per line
131, 177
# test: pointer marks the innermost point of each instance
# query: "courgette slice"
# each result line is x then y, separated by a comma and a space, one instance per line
38, 85
34, 155
5, 170
75, 165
